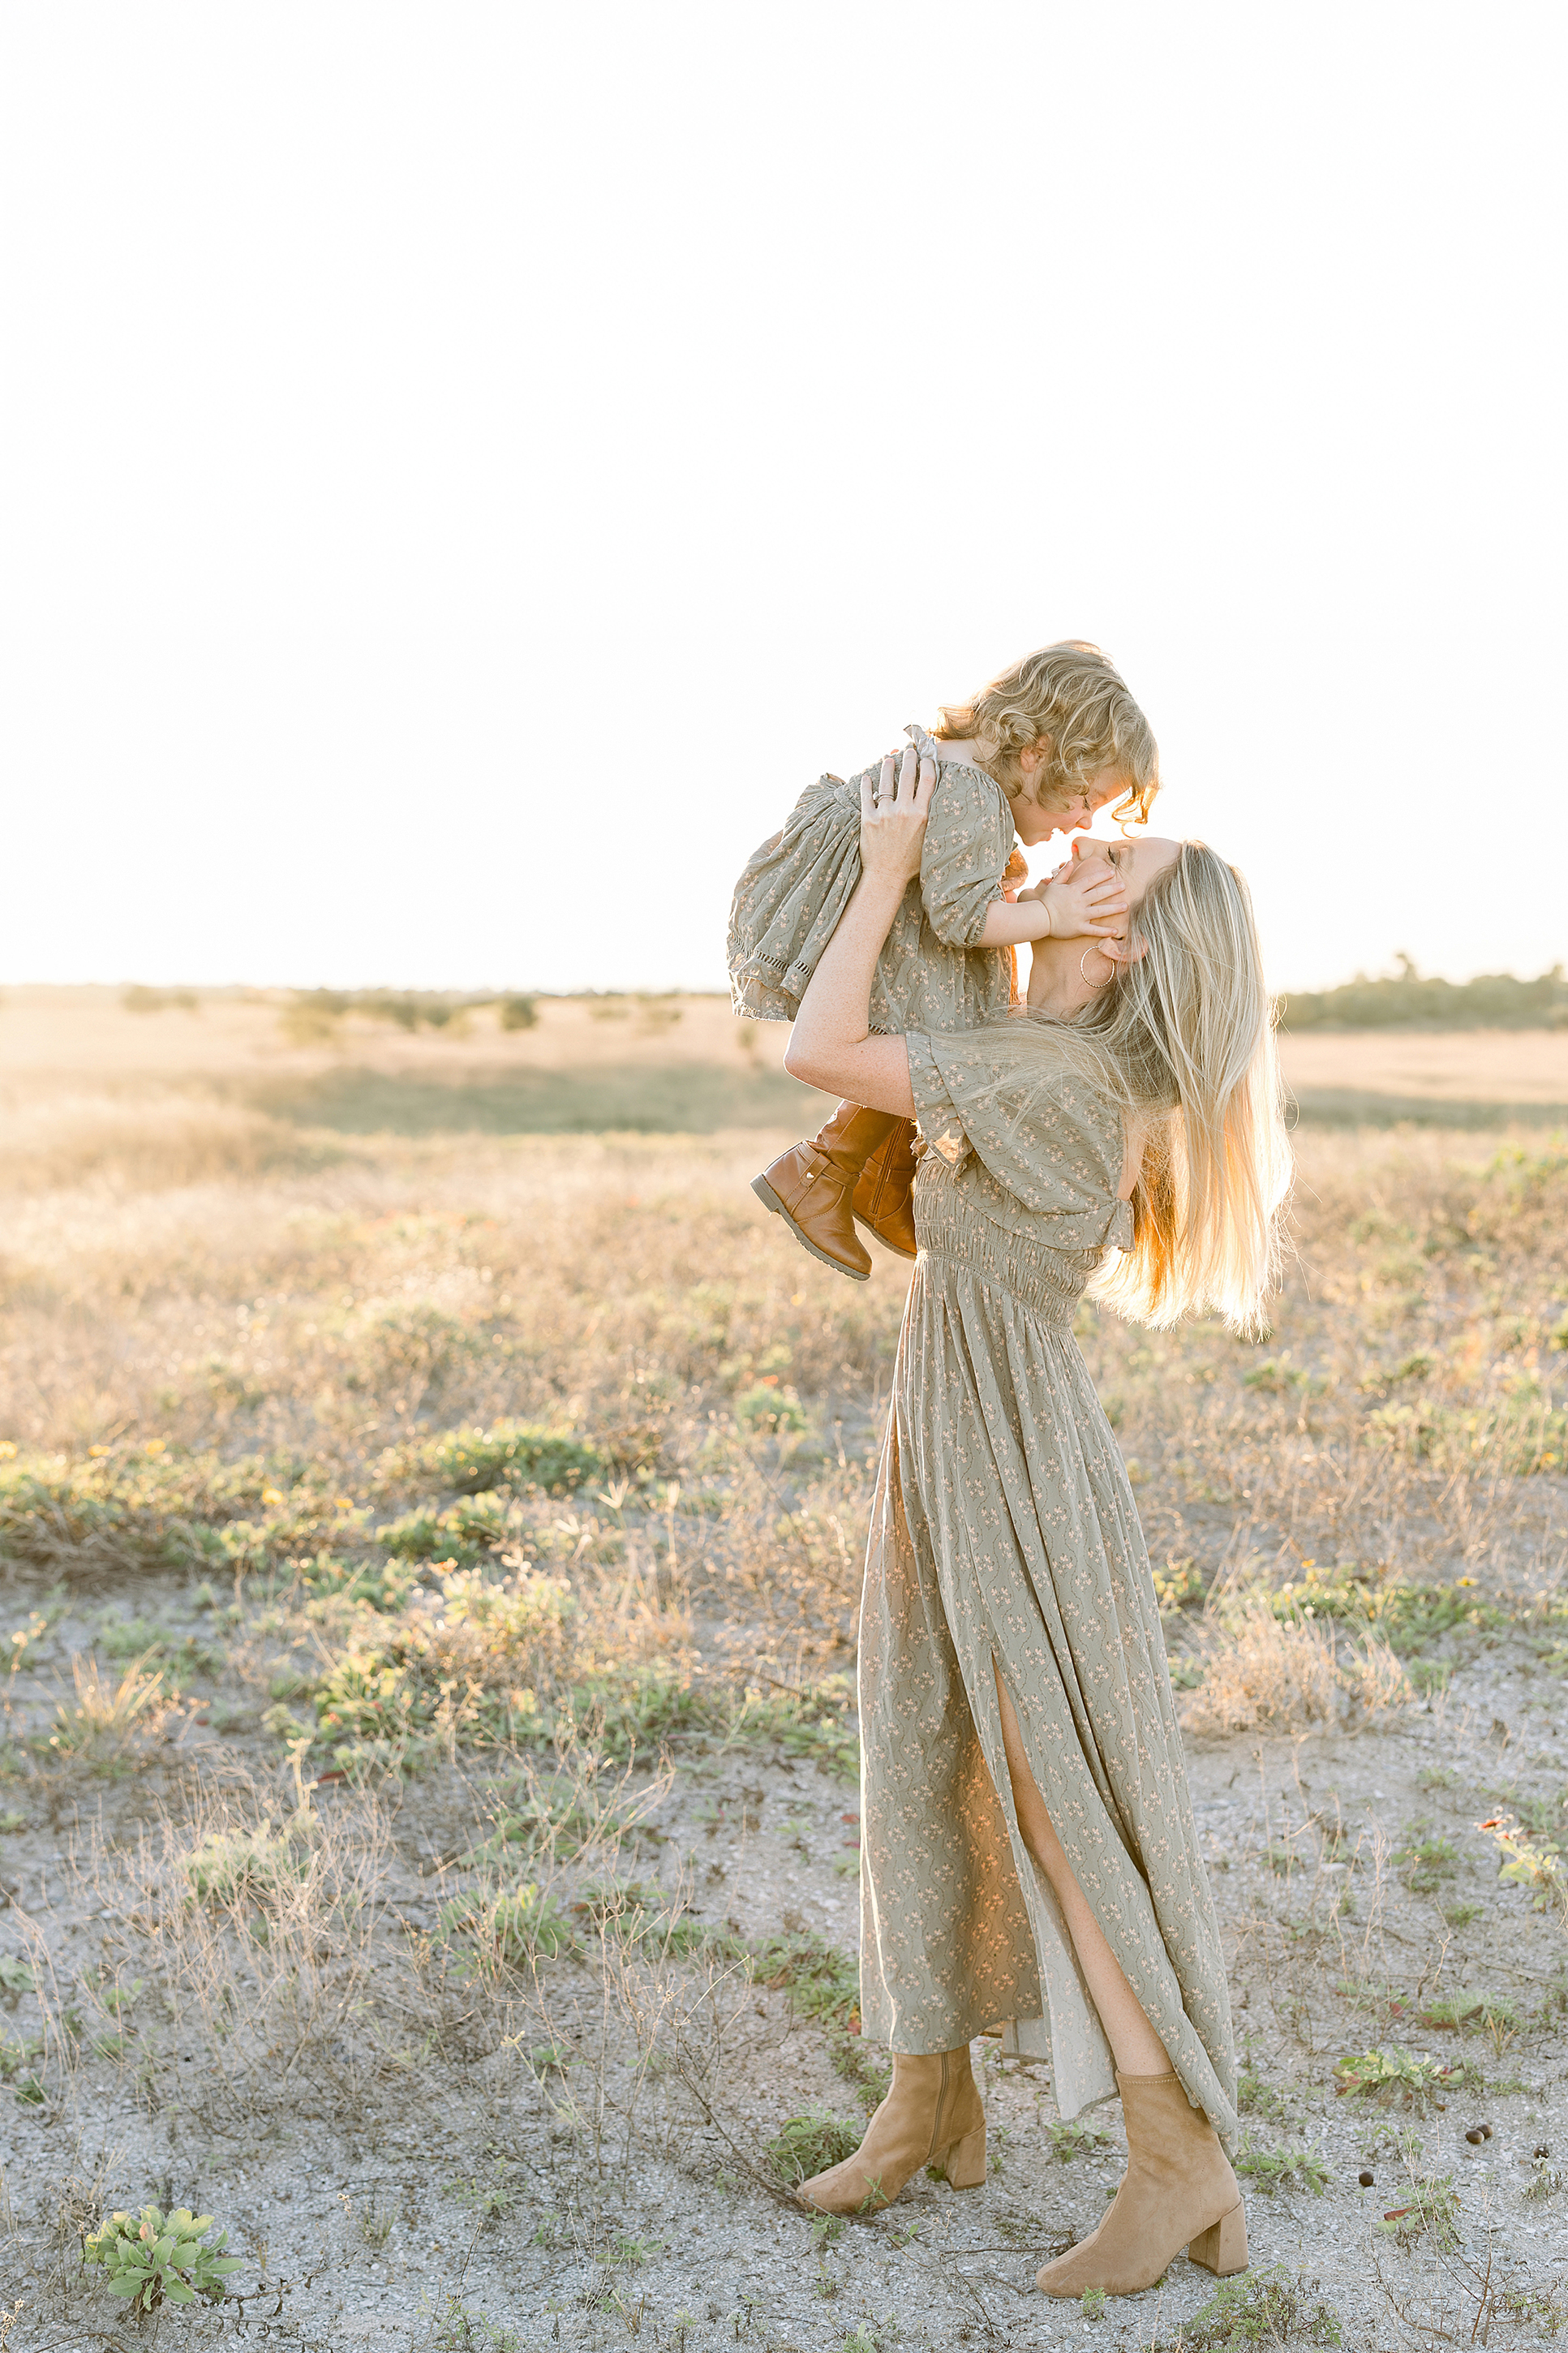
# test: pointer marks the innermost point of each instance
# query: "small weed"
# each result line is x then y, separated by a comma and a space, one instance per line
827, 2230
1536, 1865
1459, 1916
1389, 2076
628, 2254
1075, 2139
458, 2330
1426, 1861
1428, 2213
153, 2259
490, 2201
1543, 2182
510, 1928
1092, 2304
375, 2221
1274, 2307
226, 1865
1254, 2097
809, 2144
106, 1717
1274, 2169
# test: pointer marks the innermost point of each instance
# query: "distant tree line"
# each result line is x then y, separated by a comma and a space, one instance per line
411, 1008
1403, 1000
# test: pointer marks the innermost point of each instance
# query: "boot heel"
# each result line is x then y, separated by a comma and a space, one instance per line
1222, 2248
963, 2161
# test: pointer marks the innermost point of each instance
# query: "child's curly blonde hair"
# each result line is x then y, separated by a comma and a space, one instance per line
1069, 696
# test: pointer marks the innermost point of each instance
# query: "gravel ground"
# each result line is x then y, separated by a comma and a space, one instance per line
459, 2201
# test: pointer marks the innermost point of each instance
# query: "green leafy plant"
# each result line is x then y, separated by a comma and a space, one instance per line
155, 2259
1389, 2076
1535, 1864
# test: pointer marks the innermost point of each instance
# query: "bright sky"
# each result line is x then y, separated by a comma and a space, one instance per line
467, 469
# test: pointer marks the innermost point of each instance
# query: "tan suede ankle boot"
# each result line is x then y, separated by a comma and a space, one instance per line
931, 2116
1178, 2191
812, 1186
882, 1198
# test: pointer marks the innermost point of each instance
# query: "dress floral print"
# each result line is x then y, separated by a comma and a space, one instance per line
1004, 1529
930, 973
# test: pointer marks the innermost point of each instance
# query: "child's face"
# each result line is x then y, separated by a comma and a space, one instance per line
1034, 823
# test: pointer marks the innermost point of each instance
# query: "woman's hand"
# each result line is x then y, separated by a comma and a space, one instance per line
893, 817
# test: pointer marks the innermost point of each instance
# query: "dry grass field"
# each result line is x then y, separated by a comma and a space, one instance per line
431, 1501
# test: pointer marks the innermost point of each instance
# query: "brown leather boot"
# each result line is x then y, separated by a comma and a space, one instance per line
882, 1198
931, 2116
812, 1186
1178, 2191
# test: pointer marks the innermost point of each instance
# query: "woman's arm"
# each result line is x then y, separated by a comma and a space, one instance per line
830, 1046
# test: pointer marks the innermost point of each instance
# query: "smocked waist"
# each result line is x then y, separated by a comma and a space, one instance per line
951, 1233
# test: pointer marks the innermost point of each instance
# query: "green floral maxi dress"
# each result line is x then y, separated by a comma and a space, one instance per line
931, 975
1004, 1529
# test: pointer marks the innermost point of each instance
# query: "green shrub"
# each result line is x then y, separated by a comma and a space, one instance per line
462, 1535
514, 1453
518, 1013
769, 1406
126, 1508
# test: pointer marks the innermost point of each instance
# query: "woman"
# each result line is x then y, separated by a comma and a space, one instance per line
1028, 1846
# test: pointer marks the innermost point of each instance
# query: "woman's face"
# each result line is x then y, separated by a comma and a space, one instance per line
1136, 864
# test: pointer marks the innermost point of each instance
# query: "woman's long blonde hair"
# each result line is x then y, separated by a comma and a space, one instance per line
1187, 1033
1071, 697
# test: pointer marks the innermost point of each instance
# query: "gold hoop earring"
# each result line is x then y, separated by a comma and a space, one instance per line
1110, 976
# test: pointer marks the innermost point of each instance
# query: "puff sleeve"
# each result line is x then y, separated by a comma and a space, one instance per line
969, 836
1043, 1131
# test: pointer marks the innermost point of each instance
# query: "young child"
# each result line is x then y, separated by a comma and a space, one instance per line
1047, 742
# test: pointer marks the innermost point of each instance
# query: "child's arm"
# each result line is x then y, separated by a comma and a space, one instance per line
1070, 906
966, 843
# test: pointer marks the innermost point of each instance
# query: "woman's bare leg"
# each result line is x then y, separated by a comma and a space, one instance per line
1134, 2045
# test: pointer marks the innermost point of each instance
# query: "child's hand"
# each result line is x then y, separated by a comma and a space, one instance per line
893, 817
1085, 902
